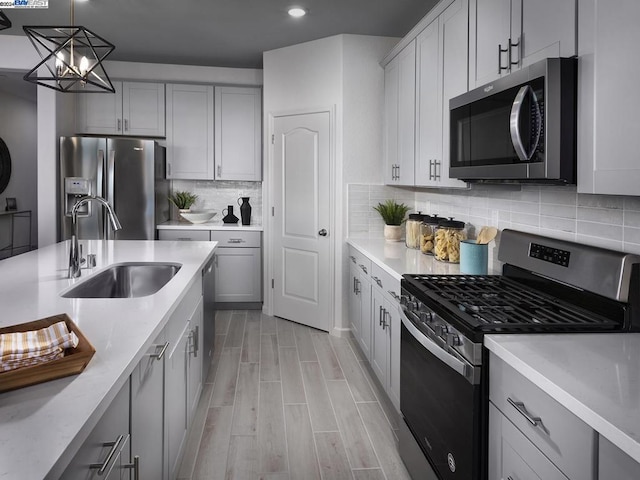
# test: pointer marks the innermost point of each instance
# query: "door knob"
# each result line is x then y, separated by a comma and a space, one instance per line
322, 233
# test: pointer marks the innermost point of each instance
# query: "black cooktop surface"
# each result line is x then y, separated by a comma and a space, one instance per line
494, 303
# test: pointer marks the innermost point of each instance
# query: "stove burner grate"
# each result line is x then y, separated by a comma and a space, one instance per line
496, 303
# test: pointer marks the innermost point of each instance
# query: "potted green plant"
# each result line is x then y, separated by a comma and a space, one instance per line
393, 214
183, 200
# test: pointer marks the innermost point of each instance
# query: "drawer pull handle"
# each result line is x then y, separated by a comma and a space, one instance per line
236, 240
116, 447
160, 354
377, 280
364, 269
394, 295
353, 259
519, 406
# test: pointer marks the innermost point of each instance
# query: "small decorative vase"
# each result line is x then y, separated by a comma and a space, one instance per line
183, 210
229, 217
245, 210
392, 233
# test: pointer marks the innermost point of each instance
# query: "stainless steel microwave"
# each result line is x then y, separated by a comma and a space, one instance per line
520, 128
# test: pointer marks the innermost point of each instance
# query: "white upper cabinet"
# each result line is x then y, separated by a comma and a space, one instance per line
135, 109
506, 35
190, 132
607, 84
399, 125
238, 133
441, 56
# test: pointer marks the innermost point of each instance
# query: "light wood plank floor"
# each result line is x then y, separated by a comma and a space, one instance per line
287, 402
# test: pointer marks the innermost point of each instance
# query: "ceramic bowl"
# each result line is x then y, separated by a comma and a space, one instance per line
198, 217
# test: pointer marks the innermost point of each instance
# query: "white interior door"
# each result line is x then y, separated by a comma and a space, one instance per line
301, 216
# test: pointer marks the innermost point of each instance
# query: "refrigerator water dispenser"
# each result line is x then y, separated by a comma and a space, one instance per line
74, 189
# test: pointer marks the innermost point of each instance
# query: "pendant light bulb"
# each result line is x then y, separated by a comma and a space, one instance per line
84, 66
59, 63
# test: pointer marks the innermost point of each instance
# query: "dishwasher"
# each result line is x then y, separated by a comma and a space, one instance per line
209, 321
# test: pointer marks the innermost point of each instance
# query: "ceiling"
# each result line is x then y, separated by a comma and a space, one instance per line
223, 33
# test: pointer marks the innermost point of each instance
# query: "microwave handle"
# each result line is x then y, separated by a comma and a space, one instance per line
514, 124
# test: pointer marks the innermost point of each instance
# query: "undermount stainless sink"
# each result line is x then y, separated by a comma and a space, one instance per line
125, 280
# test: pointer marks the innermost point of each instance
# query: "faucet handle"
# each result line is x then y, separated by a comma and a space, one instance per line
91, 260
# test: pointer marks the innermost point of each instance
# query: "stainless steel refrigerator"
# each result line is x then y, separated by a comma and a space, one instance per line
128, 173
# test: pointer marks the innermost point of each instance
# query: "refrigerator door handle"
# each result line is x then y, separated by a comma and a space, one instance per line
100, 187
109, 234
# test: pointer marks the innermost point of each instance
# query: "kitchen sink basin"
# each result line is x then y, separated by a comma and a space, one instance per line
125, 280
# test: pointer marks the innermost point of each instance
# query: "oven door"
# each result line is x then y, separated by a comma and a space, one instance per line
440, 399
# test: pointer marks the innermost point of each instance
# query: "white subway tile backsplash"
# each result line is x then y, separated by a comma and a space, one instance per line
600, 230
632, 218
602, 215
610, 202
559, 212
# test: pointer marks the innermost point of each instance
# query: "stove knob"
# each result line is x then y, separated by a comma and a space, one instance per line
426, 317
442, 330
453, 339
404, 300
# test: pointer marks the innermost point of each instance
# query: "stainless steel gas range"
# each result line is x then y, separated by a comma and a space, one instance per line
547, 285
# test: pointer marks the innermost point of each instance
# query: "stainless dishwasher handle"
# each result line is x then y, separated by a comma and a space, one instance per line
522, 410
452, 362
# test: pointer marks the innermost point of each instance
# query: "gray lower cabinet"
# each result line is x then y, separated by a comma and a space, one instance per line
238, 266
183, 376
237, 262
532, 435
147, 410
105, 452
614, 464
374, 317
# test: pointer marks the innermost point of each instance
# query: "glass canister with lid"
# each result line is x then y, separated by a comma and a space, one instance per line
448, 235
412, 230
427, 233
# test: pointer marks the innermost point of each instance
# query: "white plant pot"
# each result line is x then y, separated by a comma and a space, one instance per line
393, 233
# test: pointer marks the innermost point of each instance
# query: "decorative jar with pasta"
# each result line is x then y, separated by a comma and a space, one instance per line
447, 240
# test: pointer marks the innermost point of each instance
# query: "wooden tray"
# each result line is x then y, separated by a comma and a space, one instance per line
74, 361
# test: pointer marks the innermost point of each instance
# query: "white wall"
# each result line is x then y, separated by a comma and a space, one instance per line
18, 122
342, 74
17, 53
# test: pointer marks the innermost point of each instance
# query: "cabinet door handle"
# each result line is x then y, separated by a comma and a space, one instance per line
135, 466
500, 52
511, 45
169, 170
196, 341
126, 125
119, 127
116, 448
357, 286
160, 354
384, 319
219, 171
522, 410
380, 316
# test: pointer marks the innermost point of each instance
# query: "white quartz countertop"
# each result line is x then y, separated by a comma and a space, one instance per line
396, 259
42, 426
213, 225
595, 376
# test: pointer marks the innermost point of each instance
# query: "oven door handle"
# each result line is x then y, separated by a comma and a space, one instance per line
452, 362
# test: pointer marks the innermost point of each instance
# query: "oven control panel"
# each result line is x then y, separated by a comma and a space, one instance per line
549, 254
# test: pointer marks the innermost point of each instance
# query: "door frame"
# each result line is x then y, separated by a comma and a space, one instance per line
268, 194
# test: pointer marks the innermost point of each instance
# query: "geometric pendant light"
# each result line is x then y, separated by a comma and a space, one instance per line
71, 59
4, 21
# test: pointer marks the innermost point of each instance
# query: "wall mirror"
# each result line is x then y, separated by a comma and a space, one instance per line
5, 166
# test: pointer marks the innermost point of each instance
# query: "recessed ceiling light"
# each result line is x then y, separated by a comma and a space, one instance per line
297, 12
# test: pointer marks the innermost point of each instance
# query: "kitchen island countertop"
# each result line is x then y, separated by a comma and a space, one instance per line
42, 426
594, 375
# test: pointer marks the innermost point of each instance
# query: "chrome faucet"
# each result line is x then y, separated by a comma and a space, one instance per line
74, 256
